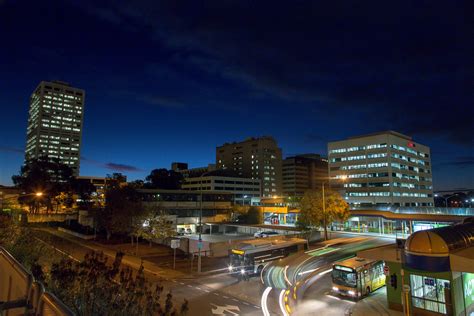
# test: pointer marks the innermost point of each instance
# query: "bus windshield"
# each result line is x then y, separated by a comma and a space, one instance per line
344, 277
236, 260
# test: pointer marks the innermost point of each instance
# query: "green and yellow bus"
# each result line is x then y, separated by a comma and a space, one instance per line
357, 277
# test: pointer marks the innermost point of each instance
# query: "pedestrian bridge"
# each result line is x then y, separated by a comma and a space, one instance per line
432, 214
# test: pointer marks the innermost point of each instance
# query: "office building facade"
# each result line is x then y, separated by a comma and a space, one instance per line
243, 189
254, 158
55, 123
386, 168
183, 207
182, 167
302, 173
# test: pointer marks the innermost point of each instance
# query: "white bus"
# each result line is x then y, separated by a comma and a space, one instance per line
250, 257
357, 277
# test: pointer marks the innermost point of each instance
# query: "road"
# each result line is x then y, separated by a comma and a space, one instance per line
218, 294
222, 294
301, 283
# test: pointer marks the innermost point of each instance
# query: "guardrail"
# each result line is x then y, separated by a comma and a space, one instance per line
20, 294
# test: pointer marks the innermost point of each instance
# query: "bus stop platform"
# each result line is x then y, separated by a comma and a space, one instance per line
374, 304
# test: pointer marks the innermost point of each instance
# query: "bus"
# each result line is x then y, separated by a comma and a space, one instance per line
357, 277
250, 257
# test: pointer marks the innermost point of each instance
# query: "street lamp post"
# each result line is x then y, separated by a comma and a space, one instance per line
343, 178
446, 198
200, 223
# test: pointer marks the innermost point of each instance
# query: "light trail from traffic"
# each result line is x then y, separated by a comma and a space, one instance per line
263, 302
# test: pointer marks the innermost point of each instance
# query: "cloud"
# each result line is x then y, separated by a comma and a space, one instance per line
121, 167
407, 65
12, 150
112, 165
462, 162
164, 102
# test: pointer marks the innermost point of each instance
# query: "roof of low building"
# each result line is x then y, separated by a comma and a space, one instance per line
443, 240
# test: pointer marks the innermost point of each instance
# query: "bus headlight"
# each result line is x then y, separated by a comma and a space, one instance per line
230, 268
335, 289
242, 271
351, 293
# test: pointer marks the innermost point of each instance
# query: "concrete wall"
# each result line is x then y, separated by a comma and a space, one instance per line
42, 218
85, 220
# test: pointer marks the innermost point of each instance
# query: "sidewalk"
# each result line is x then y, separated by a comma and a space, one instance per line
375, 304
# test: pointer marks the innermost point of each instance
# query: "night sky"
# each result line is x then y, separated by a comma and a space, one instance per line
169, 81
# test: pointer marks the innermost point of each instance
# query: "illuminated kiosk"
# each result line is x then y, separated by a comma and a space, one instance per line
432, 272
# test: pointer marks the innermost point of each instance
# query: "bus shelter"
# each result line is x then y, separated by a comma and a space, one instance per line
432, 272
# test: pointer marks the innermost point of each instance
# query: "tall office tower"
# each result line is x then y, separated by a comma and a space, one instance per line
255, 158
303, 172
386, 168
55, 123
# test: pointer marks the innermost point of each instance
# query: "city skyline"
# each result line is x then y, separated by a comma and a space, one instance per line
177, 95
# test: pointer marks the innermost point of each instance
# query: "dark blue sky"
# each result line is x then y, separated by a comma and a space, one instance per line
169, 81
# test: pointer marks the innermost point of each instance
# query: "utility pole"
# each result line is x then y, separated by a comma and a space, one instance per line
200, 224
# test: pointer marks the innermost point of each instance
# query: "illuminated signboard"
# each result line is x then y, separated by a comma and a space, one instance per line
238, 252
411, 145
468, 286
342, 268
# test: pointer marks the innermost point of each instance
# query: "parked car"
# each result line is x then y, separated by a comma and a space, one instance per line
264, 234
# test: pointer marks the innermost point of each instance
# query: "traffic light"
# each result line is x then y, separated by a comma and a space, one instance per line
393, 280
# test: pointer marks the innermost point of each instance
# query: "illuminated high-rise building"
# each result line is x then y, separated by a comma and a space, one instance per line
255, 158
55, 123
385, 168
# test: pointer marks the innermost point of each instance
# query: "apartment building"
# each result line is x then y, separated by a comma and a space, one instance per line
255, 158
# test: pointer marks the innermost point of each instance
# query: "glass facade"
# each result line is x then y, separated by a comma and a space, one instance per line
430, 293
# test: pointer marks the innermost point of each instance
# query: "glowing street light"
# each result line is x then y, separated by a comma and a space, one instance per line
38, 194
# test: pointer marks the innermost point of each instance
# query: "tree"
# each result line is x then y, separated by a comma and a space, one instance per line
137, 184
312, 211
21, 242
239, 212
45, 175
164, 179
9, 204
254, 216
123, 208
155, 224
115, 180
95, 287
156, 227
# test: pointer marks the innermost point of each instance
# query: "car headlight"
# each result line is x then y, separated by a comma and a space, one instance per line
335, 289
230, 268
352, 293
242, 271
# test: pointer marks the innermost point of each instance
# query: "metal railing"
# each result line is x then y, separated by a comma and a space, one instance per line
20, 294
